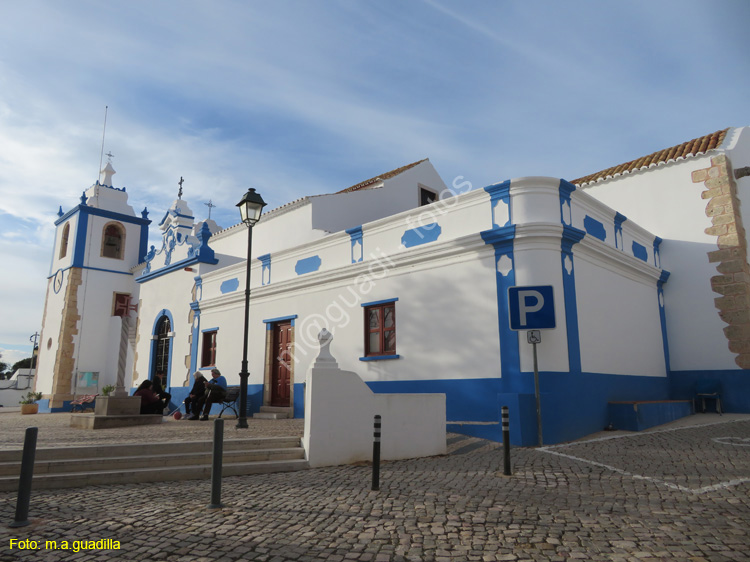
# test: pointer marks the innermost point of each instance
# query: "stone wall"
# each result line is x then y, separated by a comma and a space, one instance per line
733, 283
65, 357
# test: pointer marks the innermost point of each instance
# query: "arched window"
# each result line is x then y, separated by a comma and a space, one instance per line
113, 241
161, 358
64, 240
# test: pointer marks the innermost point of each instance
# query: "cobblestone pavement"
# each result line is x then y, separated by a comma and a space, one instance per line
680, 492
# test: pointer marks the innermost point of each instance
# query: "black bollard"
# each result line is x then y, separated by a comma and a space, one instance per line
506, 440
216, 464
376, 456
24, 482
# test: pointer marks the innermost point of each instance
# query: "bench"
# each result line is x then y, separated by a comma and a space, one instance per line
230, 400
83, 402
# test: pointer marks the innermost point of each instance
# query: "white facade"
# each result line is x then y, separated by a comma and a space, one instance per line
627, 259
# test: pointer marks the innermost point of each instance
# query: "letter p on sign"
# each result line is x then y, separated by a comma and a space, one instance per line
531, 308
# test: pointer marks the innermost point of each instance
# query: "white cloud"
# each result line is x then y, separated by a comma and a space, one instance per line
300, 98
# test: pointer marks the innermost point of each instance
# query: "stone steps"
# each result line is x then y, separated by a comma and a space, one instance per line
273, 413
68, 467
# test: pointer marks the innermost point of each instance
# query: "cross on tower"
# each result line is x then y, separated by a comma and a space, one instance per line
109, 156
210, 206
179, 193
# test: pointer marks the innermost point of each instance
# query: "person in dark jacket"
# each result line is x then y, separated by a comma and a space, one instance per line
150, 401
196, 394
216, 390
159, 390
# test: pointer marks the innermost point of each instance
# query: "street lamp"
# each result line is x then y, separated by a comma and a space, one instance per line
250, 206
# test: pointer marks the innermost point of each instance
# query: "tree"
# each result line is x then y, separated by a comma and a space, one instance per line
22, 364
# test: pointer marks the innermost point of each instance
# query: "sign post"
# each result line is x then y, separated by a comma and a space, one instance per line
533, 309
534, 337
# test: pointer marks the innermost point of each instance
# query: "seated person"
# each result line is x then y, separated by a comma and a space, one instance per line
216, 390
196, 393
150, 401
159, 390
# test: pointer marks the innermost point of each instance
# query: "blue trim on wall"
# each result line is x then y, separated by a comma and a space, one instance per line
379, 357
229, 286
640, 251
308, 265
594, 228
566, 189
663, 316
195, 307
570, 237
355, 235
373, 303
83, 208
265, 266
173, 267
210, 330
79, 250
92, 269
269, 322
500, 192
510, 358
150, 376
421, 235
299, 400
619, 219
657, 255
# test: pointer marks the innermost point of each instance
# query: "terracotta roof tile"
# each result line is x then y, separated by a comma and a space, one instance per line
684, 150
381, 177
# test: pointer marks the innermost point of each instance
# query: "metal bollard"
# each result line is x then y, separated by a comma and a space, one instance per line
216, 464
376, 456
24, 482
506, 441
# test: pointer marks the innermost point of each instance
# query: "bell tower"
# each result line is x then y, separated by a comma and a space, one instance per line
90, 285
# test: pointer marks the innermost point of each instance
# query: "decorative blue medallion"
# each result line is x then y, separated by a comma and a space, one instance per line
308, 265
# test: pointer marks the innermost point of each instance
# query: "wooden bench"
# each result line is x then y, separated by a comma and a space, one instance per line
230, 400
83, 402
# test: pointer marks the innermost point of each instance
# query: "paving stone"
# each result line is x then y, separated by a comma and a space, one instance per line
656, 495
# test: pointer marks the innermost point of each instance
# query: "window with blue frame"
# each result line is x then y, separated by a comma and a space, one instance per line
208, 355
380, 329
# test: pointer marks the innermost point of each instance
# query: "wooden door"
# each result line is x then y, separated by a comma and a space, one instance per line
281, 373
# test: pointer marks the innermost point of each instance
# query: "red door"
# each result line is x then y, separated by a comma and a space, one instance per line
281, 373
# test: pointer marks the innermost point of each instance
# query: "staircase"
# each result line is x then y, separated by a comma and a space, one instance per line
273, 413
70, 467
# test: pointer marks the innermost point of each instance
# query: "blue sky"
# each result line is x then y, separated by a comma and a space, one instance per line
306, 97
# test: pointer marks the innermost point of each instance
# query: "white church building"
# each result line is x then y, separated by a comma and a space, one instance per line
644, 269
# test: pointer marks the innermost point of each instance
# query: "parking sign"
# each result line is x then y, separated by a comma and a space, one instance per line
531, 308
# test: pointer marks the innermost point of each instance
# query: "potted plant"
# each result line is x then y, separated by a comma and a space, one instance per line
107, 390
28, 404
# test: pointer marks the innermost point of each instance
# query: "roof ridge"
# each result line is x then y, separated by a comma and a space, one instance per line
687, 149
381, 177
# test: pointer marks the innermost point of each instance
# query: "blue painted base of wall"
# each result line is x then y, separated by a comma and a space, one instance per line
735, 387
637, 416
254, 399
573, 405
299, 400
466, 399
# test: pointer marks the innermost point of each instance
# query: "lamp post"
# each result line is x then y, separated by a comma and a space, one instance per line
250, 206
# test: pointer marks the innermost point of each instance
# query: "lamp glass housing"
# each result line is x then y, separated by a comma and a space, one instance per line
251, 207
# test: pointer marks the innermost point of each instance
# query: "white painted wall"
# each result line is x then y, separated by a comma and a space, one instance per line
618, 319
339, 211
339, 416
665, 201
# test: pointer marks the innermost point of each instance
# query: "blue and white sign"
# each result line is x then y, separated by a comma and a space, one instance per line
531, 308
